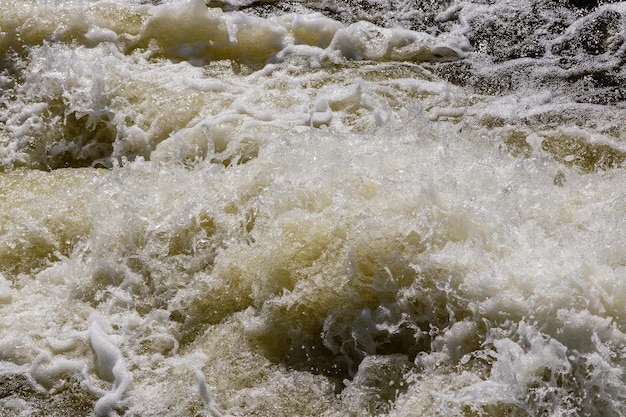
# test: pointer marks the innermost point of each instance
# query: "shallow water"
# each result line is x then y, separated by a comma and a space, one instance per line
301, 209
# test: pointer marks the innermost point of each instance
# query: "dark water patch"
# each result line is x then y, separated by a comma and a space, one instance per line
604, 87
380, 380
568, 148
589, 5
85, 140
237, 152
70, 399
419, 15
385, 309
549, 46
509, 34
580, 152
597, 35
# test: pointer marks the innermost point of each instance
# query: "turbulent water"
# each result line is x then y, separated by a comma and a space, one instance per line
316, 208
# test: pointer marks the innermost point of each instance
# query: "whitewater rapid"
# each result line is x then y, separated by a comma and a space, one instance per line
312, 209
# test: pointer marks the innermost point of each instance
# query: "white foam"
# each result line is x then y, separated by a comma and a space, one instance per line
206, 395
5, 290
365, 41
47, 370
98, 35
110, 366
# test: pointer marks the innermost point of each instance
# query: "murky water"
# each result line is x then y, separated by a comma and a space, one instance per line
334, 208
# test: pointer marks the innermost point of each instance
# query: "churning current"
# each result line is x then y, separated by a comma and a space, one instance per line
316, 208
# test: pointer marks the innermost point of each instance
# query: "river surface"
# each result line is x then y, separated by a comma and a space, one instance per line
315, 208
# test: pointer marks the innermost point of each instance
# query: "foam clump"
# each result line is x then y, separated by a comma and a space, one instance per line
190, 31
5, 290
206, 395
366, 41
47, 370
110, 366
